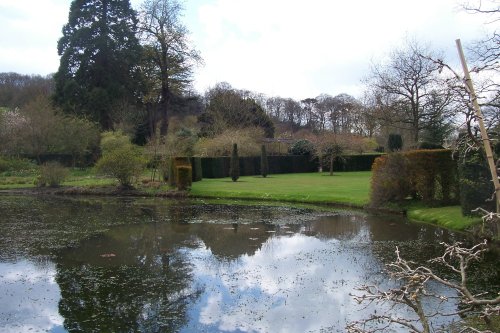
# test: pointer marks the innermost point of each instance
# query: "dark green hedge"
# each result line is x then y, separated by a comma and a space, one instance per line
197, 169
476, 187
218, 167
64, 159
355, 162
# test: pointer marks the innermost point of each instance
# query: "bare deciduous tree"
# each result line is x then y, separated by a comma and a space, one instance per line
408, 83
167, 52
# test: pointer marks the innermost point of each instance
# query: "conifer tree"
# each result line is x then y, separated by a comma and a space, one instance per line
99, 62
264, 164
234, 168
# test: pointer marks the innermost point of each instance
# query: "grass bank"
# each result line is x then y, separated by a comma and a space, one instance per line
347, 188
448, 217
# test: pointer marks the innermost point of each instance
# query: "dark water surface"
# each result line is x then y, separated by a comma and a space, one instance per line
145, 265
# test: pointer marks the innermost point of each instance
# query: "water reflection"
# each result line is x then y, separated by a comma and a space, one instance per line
181, 266
29, 296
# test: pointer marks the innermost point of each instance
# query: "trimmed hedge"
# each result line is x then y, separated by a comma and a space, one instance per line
427, 175
184, 177
476, 187
218, 167
355, 162
197, 169
174, 164
65, 160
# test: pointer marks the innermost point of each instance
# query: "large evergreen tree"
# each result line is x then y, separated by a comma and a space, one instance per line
99, 58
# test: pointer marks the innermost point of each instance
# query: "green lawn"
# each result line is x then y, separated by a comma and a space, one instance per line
350, 188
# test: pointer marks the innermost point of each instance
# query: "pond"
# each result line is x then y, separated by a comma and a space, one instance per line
149, 265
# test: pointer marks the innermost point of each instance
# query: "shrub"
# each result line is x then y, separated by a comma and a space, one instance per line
184, 177
395, 142
302, 147
16, 166
112, 140
51, 174
234, 169
264, 164
120, 159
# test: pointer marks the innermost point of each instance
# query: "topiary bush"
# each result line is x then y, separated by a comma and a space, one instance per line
302, 147
51, 174
234, 167
264, 163
184, 177
395, 142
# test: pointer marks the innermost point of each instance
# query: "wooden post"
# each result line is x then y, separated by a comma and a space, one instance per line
479, 116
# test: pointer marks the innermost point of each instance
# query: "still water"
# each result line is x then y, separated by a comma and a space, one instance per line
145, 265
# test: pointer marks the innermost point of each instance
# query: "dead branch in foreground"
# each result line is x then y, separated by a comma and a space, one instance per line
414, 288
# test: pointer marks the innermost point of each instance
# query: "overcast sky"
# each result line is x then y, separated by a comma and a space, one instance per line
289, 48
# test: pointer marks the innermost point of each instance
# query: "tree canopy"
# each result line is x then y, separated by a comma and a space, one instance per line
229, 108
99, 59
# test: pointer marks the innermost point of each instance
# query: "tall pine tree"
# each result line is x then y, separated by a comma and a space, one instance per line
100, 54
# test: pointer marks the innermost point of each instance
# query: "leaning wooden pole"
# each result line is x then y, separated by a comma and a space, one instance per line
479, 116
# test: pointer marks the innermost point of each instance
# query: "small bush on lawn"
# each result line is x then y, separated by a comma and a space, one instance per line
234, 167
264, 164
120, 159
51, 174
302, 147
395, 142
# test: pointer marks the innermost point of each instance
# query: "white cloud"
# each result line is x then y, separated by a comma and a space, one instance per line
32, 297
291, 284
29, 34
299, 49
